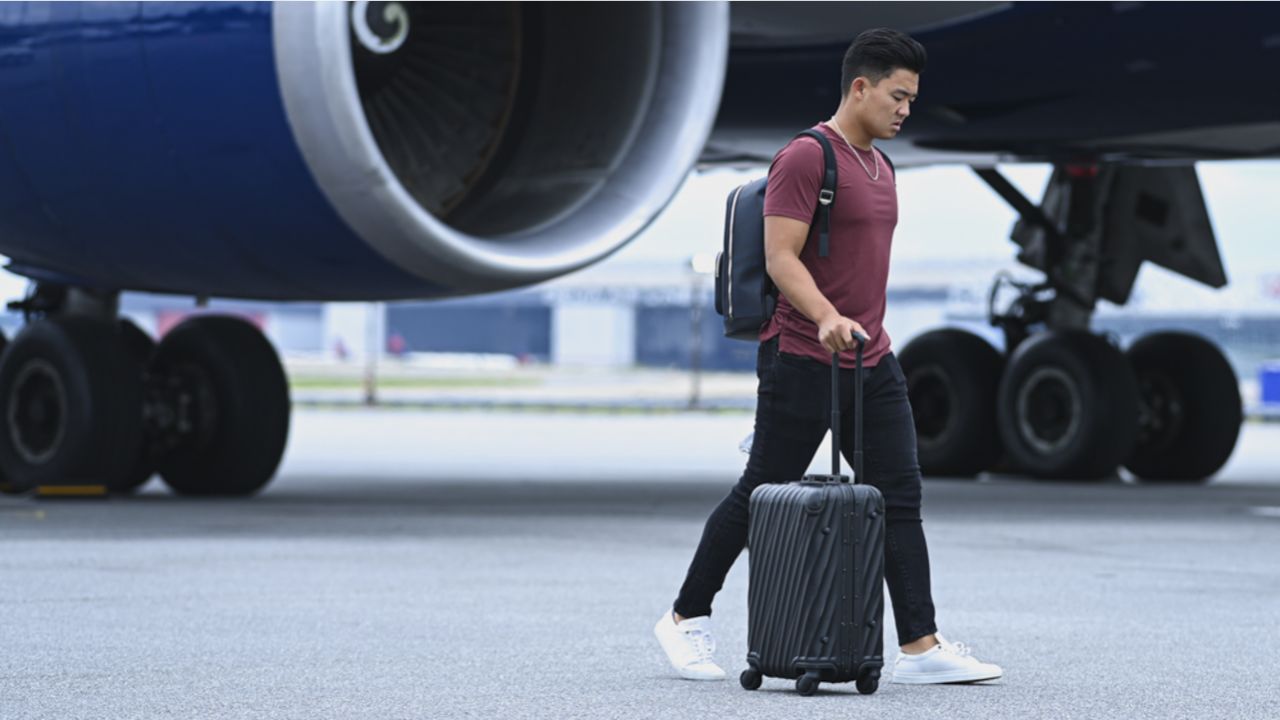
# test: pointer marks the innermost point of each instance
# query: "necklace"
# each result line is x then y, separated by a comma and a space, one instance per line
836, 126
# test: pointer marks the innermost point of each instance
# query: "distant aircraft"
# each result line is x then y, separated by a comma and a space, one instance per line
377, 151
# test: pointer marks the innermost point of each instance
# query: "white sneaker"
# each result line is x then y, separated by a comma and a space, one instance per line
689, 646
945, 662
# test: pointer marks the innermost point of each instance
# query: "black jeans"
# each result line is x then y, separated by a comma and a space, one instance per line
792, 418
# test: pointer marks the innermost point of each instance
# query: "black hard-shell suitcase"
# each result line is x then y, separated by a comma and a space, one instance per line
815, 598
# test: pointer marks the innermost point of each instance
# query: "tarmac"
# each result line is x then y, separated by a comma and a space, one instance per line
480, 564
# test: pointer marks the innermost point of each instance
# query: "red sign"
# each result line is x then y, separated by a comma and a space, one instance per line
1271, 286
167, 319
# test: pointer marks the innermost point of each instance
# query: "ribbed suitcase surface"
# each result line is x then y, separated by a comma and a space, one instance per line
815, 598
816, 595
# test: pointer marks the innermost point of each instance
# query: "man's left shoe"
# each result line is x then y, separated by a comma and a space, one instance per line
945, 662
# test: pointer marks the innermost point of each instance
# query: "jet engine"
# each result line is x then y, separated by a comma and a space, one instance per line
494, 145
329, 151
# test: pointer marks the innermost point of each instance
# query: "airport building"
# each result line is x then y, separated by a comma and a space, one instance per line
662, 316
646, 316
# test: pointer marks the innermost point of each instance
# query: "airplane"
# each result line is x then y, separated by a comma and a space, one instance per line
383, 151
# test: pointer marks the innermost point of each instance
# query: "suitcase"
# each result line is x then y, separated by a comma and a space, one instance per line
815, 599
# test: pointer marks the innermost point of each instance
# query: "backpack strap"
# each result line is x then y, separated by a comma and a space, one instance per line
889, 162
827, 194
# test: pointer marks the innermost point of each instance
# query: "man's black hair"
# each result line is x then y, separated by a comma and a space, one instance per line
876, 53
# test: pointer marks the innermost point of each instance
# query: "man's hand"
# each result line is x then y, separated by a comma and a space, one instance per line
836, 333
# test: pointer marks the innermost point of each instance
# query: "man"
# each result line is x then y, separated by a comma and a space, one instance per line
823, 302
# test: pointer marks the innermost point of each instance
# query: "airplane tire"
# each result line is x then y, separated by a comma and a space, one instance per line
5, 487
239, 407
140, 348
1191, 408
1068, 406
952, 380
71, 403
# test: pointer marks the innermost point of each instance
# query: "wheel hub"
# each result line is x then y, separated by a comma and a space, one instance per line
1160, 411
929, 391
37, 412
1049, 409
181, 408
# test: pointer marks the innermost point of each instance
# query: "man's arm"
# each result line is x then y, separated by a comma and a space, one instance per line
784, 238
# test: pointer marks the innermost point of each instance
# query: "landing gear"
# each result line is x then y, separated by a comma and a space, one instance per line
89, 400
230, 407
952, 378
140, 348
1189, 409
72, 403
6, 488
1068, 404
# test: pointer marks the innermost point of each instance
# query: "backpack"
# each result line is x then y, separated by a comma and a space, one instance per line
745, 295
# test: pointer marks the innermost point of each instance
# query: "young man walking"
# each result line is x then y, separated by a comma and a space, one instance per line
823, 302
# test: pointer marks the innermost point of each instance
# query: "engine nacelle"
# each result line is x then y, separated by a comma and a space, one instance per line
345, 151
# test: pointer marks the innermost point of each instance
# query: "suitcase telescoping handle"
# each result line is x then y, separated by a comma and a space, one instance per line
861, 340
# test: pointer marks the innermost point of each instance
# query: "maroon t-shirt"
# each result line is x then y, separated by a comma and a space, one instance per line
856, 272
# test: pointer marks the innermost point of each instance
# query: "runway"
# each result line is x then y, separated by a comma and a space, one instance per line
511, 565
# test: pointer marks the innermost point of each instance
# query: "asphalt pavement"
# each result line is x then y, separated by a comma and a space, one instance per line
415, 564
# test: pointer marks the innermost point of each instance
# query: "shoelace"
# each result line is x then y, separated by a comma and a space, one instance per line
958, 648
703, 645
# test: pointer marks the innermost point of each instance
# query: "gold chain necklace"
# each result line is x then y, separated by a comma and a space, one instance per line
836, 125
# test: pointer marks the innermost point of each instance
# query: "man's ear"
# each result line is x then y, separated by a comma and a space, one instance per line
859, 86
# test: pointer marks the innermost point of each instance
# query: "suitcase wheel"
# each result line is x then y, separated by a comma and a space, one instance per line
868, 684
807, 684
750, 679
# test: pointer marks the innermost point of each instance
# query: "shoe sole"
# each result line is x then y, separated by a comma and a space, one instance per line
699, 678
944, 679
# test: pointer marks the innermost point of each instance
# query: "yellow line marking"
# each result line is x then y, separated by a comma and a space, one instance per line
71, 490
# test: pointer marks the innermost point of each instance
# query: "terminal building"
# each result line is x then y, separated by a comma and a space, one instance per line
639, 317
659, 315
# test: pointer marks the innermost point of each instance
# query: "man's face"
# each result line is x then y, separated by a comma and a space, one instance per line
885, 106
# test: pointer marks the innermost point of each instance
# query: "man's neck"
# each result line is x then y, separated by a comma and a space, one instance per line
853, 131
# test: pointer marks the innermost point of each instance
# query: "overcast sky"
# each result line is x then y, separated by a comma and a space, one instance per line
947, 213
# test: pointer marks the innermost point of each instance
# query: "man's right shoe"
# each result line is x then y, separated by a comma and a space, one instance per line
945, 662
689, 646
